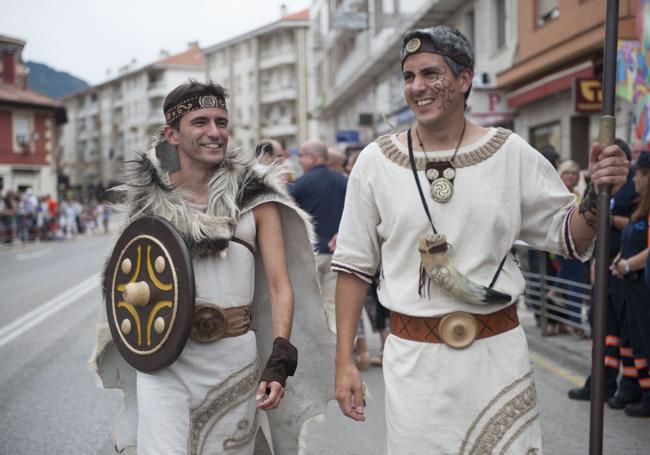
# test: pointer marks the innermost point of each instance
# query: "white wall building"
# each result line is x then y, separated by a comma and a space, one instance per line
110, 122
358, 88
266, 74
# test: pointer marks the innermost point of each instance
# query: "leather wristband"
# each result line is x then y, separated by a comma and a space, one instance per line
589, 206
282, 362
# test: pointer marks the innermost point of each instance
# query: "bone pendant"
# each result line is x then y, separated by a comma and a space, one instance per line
433, 251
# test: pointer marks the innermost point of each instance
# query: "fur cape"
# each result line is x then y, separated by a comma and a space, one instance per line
236, 188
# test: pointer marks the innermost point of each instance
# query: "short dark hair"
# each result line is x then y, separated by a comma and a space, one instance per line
549, 152
191, 88
449, 42
264, 148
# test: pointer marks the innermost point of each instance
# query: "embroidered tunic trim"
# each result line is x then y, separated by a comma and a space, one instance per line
235, 389
481, 153
504, 419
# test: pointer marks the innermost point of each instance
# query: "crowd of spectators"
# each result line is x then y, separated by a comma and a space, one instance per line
26, 217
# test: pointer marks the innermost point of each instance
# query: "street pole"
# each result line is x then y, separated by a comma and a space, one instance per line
605, 138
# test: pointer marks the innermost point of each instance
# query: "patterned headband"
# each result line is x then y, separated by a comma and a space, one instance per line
191, 104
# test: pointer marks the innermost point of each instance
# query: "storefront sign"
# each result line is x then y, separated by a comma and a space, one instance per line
488, 107
588, 95
347, 136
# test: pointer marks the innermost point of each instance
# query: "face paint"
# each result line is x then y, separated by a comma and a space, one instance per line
444, 92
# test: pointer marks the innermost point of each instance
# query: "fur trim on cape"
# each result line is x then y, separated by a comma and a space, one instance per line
236, 187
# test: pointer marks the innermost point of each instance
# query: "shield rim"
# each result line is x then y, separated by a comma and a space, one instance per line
183, 270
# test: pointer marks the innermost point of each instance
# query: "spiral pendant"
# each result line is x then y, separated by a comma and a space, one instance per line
442, 190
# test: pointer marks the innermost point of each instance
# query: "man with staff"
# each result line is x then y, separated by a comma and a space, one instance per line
440, 206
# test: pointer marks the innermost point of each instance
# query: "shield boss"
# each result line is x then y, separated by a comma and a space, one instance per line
149, 294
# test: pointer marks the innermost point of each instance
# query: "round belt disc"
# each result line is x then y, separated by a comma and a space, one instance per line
149, 293
458, 330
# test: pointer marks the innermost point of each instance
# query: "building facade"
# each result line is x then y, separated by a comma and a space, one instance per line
266, 74
358, 87
29, 127
110, 122
554, 82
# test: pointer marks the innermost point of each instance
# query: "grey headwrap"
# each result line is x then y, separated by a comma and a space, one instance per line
441, 39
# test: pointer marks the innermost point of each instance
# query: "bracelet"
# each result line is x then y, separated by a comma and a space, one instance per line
589, 205
282, 362
626, 267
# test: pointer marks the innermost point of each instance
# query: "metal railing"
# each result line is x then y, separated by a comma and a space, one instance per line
550, 298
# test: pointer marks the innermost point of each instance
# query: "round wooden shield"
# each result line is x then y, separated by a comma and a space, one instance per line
150, 289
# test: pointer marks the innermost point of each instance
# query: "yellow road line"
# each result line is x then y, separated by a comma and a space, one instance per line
549, 365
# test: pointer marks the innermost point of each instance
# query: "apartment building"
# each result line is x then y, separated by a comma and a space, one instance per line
29, 126
554, 82
266, 74
358, 87
110, 122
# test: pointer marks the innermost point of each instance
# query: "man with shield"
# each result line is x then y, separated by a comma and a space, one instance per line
439, 206
198, 292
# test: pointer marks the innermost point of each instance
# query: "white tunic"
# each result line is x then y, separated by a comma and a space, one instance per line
205, 401
438, 397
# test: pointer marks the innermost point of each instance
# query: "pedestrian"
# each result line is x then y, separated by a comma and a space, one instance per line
335, 160
379, 317
212, 399
27, 213
629, 266
267, 151
103, 215
618, 346
321, 193
440, 206
69, 220
8, 218
571, 269
271, 152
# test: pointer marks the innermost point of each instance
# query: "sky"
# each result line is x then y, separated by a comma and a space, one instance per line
88, 37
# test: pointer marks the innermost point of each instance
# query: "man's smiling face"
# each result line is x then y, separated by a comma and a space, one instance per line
202, 136
430, 88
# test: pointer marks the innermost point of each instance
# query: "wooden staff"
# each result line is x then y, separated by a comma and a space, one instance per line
605, 138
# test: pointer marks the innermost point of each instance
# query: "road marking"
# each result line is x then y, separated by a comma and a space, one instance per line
21, 325
556, 369
33, 255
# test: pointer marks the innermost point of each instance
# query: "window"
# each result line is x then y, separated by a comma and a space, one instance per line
21, 132
547, 10
500, 23
543, 135
469, 26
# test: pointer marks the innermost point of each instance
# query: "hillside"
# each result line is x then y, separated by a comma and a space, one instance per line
51, 82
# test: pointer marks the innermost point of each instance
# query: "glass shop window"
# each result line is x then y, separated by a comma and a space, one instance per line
548, 134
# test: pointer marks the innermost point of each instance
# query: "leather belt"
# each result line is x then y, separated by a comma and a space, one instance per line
457, 330
211, 322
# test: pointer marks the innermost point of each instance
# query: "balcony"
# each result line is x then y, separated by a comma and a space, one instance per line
286, 57
278, 94
157, 90
280, 129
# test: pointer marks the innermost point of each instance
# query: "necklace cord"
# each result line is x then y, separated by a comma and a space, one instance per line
460, 140
409, 140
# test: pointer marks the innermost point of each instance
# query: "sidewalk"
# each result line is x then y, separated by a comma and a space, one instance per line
17, 245
564, 349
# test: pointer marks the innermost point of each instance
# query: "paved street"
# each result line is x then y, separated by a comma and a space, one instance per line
50, 403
